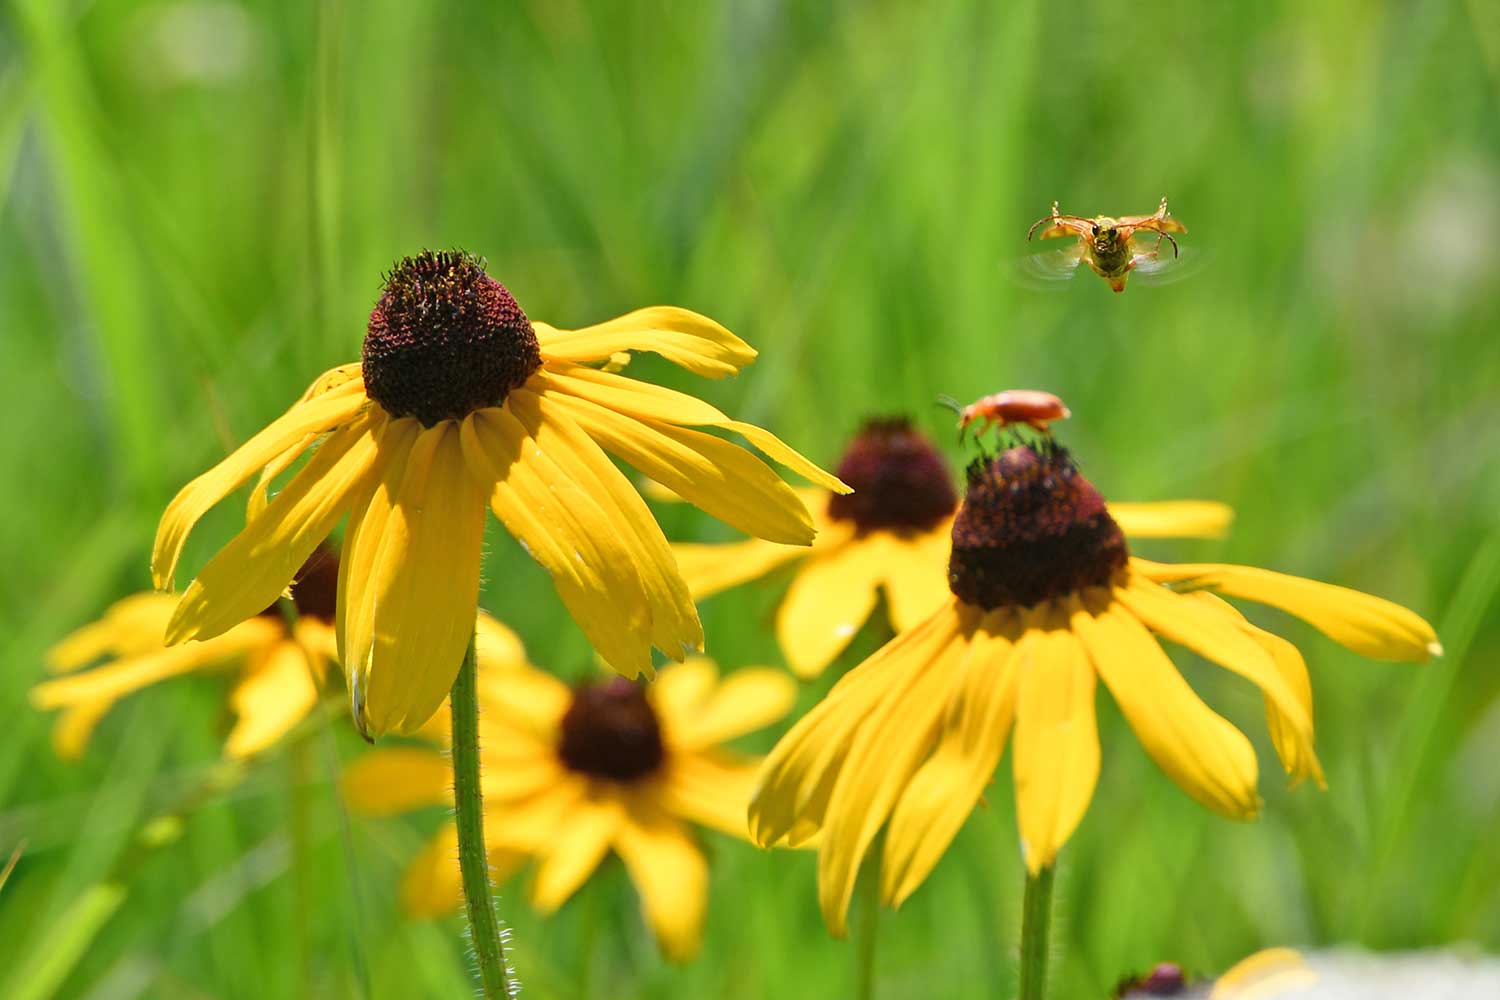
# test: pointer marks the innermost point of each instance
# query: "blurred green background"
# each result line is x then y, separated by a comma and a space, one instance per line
197, 202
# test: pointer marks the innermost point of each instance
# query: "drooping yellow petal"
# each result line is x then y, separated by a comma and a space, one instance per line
886, 750
1213, 632
779, 451
709, 569
75, 725
916, 575
305, 419
747, 700
395, 780
1056, 758
1293, 745
1200, 750
534, 824
249, 573
670, 873
579, 845
711, 789
675, 625
684, 338
424, 588
564, 530
1173, 519
1274, 972
496, 646
370, 511
831, 596
720, 478
115, 680
276, 693
132, 625
793, 789
1371, 626
945, 788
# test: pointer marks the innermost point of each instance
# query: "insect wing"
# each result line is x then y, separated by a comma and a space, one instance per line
1045, 271
1159, 265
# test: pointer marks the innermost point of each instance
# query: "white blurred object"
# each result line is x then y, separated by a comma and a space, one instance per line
1351, 975
204, 44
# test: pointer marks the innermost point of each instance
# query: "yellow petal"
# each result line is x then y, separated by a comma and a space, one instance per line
1056, 759
718, 477
338, 379
945, 788
710, 789
797, 779
305, 419
675, 625
1173, 519
748, 700
886, 750
249, 573
1371, 626
681, 690
423, 588
1293, 744
916, 575
671, 875
779, 451
571, 857
708, 569
1274, 972
831, 596
525, 698
114, 681
75, 725
132, 625
497, 646
433, 885
1200, 750
684, 338
396, 780
563, 529
276, 694
624, 395
1214, 633
534, 824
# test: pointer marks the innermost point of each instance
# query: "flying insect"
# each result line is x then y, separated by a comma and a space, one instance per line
1111, 247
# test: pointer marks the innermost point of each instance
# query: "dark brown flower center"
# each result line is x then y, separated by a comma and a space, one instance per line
611, 731
445, 339
315, 588
900, 481
1031, 528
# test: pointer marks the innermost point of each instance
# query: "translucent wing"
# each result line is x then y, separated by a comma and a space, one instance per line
1158, 265
1046, 271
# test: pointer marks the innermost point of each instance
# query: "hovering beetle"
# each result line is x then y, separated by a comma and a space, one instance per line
1111, 247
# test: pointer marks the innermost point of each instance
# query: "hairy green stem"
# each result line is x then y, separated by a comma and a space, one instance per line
1036, 922
473, 862
867, 925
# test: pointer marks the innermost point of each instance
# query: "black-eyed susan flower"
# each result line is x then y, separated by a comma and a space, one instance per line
278, 667
1046, 602
572, 774
461, 403
890, 535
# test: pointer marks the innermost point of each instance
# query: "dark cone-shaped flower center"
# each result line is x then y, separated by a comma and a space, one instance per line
1031, 528
315, 588
445, 339
610, 731
900, 481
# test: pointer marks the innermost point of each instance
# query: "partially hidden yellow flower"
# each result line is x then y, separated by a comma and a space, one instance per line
571, 774
461, 403
1046, 602
890, 535
279, 667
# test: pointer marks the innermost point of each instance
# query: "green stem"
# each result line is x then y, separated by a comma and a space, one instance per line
867, 925
1036, 921
473, 862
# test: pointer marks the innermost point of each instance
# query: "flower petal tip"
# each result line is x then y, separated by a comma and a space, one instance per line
1435, 649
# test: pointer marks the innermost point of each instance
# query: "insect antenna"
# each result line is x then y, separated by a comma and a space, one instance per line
949, 403
1054, 217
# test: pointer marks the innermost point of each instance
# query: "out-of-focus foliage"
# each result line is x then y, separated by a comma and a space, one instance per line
197, 201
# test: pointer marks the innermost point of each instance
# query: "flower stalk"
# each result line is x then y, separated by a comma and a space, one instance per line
1036, 922
473, 861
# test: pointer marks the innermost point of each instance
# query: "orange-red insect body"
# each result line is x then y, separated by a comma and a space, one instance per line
1032, 407
1111, 247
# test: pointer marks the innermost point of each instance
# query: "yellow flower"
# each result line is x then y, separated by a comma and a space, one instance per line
571, 774
891, 534
460, 403
1046, 602
280, 668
